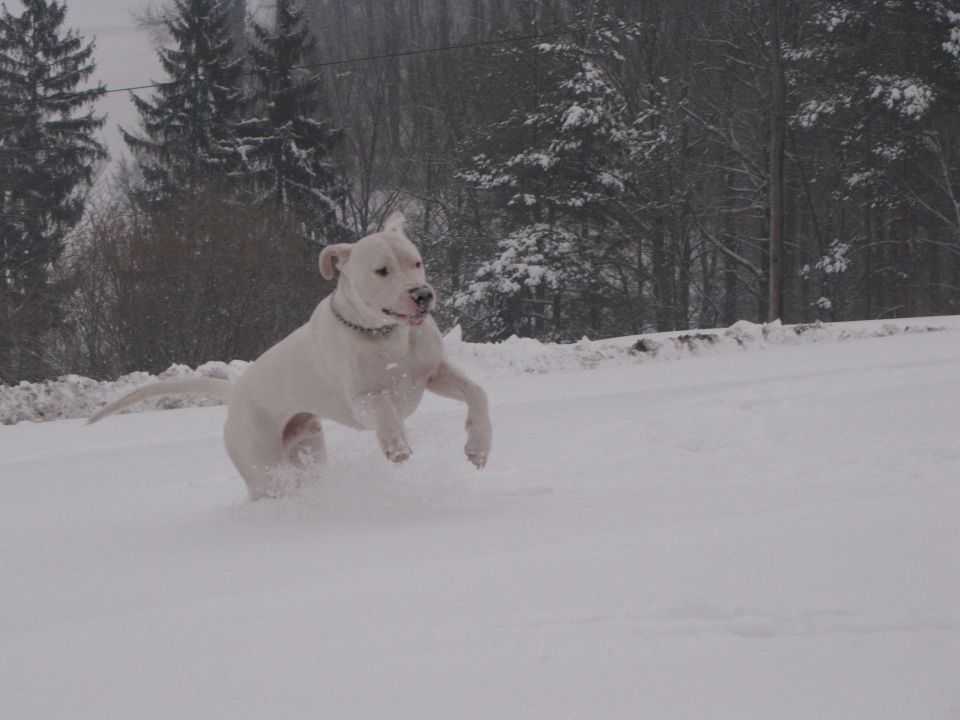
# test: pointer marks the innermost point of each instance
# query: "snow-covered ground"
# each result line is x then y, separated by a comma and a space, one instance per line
74, 396
751, 529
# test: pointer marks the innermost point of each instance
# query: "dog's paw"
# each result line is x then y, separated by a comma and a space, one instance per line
396, 449
477, 456
479, 438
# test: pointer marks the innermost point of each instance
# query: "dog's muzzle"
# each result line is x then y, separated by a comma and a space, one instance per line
424, 297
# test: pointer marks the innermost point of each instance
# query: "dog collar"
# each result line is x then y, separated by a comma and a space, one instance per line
383, 331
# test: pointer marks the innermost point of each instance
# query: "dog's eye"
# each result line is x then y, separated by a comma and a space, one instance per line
382, 272
418, 264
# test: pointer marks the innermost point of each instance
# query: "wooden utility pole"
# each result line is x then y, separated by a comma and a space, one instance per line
778, 132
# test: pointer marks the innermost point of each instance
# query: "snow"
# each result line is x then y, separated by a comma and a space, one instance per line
532, 159
74, 396
890, 150
835, 17
836, 260
576, 117
765, 528
812, 110
910, 97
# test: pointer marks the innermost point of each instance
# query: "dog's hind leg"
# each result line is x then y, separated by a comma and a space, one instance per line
303, 440
257, 455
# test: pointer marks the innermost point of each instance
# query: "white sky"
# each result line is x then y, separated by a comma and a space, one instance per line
124, 57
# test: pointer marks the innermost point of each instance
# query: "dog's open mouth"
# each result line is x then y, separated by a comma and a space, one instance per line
415, 319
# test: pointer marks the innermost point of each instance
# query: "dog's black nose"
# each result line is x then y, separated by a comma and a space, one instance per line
422, 296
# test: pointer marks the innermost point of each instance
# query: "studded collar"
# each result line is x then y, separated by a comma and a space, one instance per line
382, 331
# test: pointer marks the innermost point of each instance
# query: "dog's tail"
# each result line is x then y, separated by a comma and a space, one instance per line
199, 386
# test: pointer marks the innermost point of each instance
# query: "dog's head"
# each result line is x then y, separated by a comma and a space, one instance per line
384, 272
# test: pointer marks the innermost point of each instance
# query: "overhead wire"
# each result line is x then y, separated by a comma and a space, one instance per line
526, 37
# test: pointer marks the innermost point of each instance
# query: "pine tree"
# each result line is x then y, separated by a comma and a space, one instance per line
875, 66
879, 81
189, 128
47, 158
556, 167
288, 150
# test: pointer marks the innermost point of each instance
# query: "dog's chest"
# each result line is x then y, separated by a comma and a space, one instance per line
404, 374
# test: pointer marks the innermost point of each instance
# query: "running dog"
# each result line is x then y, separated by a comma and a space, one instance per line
364, 359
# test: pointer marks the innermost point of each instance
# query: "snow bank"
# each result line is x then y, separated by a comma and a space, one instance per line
73, 396
531, 356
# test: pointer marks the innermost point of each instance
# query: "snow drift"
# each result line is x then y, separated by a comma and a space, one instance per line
74, 396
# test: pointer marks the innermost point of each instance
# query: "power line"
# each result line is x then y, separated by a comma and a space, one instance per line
527, 37
417, 51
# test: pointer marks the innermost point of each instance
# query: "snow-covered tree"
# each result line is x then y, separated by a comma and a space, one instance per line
287, 149
48, 155
878, 81
189, 127
555, 166
46, 136
862, 81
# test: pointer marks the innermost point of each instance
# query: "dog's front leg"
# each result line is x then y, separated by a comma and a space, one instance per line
376, 411
449, 382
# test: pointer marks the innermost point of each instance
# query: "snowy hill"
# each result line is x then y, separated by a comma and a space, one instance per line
765, 525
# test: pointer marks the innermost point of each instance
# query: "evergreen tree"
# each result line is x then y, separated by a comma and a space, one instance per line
556, 166
47, 158
870, 71
288, 150
878, 81
189, 135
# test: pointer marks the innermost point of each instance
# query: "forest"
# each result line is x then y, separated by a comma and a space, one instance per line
568, 168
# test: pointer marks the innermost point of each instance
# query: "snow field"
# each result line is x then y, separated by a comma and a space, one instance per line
768, 534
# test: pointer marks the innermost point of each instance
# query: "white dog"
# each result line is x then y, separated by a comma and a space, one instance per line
363, 360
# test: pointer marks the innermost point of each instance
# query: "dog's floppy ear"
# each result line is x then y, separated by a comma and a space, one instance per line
340, 251
394, 223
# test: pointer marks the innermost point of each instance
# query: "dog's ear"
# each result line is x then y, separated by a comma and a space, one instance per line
394, 223
340, 251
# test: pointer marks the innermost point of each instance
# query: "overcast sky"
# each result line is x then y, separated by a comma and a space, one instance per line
124, 57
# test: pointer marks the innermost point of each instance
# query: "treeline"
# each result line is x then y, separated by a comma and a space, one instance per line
617, 179
569, 167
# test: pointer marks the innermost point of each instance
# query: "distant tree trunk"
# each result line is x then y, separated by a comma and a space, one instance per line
791, 257
904, 264
763, 282
868, 259
662, 294
729, 275
237, 26
885, 258
934, 293
370, 16
498, 17
706, 312
477, 20
729, 239
394, 39
803, 259
775, 189
954, 275
681, 313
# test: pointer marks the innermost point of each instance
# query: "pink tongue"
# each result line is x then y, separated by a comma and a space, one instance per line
416, 320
